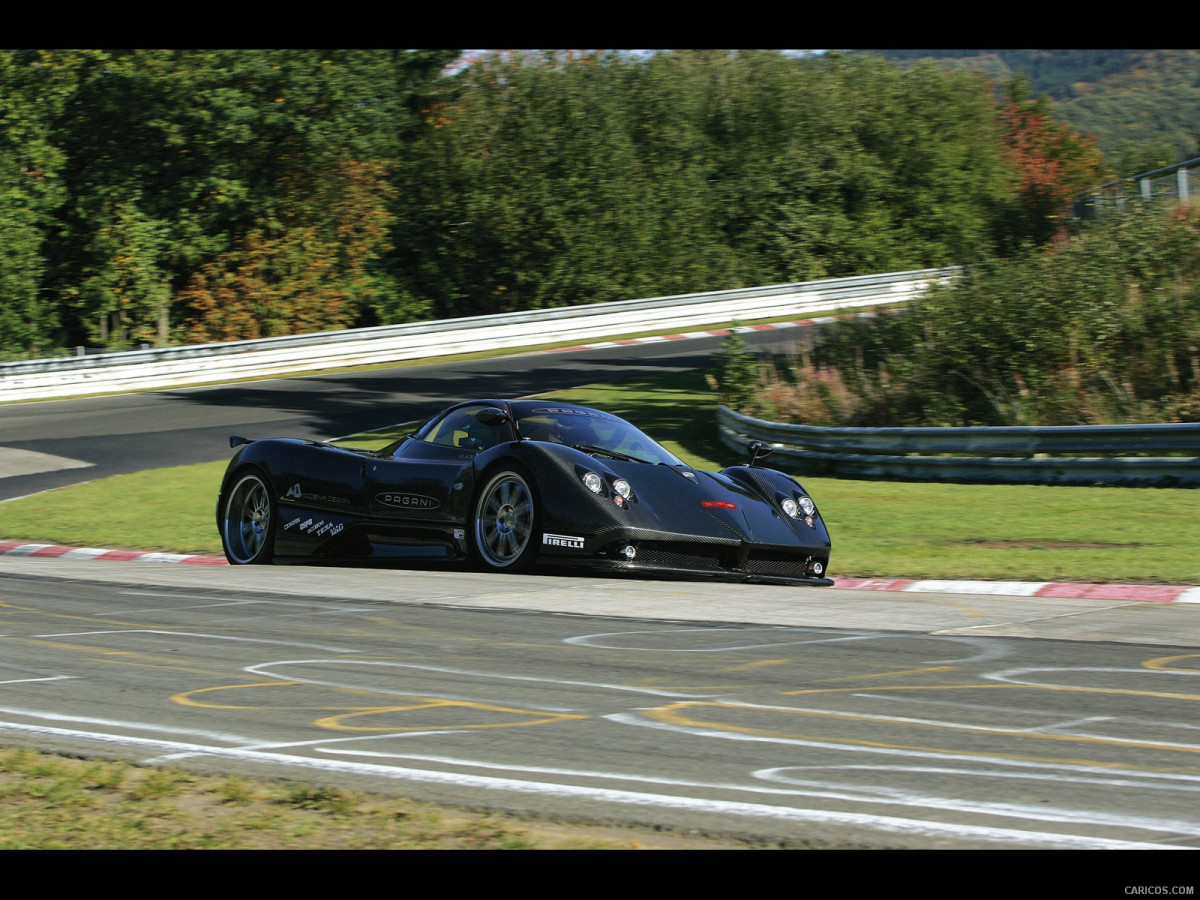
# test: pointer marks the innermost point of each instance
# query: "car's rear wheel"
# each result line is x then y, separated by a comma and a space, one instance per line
248, 524
505, 522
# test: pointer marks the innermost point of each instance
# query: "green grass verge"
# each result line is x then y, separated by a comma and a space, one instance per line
51, 802
885, 529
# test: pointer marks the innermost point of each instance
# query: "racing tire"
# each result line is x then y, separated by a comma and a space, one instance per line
505, 521
248, 522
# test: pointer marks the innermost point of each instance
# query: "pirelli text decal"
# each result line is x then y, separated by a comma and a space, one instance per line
562, 540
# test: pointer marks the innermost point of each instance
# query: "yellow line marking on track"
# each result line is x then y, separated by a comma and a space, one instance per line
101, 654
918, 670
669, 714
1128, 692
757, 665
1163, 663
186, 698
336, 722
969, 610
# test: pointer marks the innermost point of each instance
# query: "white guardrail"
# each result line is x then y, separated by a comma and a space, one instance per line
1045, 454
150, 369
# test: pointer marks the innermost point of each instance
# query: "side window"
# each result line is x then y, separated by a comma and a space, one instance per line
461, 430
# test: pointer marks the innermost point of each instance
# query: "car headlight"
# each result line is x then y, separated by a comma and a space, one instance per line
620, 493
798, 507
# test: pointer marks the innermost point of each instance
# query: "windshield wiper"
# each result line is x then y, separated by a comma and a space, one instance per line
591, 448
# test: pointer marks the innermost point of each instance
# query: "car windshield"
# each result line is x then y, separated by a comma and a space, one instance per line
593, 432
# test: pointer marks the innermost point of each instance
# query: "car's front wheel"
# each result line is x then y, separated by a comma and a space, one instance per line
248, 524
505, 523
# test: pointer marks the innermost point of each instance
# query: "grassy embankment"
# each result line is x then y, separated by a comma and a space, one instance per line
50, 802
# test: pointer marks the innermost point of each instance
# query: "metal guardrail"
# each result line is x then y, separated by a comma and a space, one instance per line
1013, 454
209, 363
1178, 183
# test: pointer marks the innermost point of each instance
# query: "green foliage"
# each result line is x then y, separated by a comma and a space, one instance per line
128, 294
224, 194
1141, 105
578, 178
35, 86
1155, 101
1053, 164
309, 271
735, 374
163, 196
1103, 328
545, 182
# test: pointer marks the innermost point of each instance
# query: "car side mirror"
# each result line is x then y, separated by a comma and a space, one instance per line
758, 449
491, 416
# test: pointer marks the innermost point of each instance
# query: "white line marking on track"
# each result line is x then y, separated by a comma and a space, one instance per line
264, 669
894, 824
944, 756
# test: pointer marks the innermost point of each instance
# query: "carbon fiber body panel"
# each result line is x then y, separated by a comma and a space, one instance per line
417, 500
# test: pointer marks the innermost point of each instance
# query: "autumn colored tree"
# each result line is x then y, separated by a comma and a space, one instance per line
1053, 163
194, 169
308, 271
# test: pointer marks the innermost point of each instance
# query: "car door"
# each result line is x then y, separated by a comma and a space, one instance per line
430, 476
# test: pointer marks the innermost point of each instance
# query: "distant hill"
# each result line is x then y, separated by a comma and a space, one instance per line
1143, 106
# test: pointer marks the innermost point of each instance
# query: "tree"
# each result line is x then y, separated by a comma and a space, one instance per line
241, 161
1053, 161
35, 85
537, 188
309, 271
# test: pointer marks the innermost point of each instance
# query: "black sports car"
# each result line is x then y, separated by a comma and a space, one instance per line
508, 484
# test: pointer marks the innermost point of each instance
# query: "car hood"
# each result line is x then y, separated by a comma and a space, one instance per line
689, 501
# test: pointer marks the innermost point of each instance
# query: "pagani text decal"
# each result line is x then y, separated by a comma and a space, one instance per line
408, 501
570, 411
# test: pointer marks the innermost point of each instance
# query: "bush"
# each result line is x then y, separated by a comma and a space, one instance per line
1103, 328
735, 373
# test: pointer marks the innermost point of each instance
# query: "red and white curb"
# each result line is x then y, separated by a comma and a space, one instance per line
713, 332
17, 548
1155, 593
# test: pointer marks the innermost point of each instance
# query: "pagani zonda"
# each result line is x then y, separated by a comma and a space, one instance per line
508, 484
